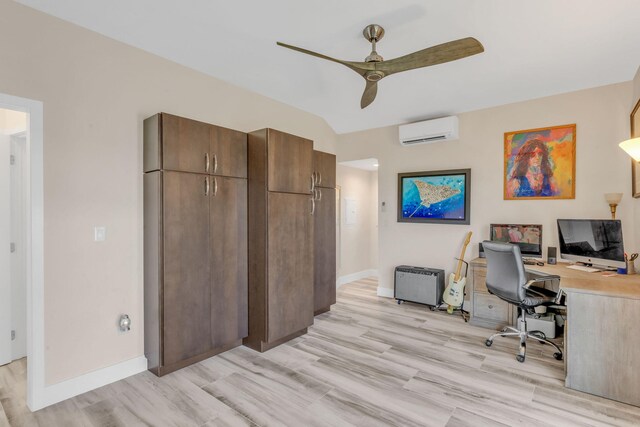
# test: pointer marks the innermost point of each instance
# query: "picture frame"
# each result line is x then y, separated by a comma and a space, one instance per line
540, 163
436, 197
635, 166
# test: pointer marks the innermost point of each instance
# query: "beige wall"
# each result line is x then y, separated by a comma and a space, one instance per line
632, 104
358, 242
602, 118
636, 89
96, 92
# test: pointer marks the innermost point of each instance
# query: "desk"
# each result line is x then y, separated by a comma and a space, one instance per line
602, 344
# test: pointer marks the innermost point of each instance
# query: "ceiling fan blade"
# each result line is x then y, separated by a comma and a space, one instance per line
359, 67
439, 54
370, 92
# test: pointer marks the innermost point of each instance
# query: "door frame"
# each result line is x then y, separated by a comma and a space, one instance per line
34, 220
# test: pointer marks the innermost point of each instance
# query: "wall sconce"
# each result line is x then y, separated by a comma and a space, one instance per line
613, 199
632, 147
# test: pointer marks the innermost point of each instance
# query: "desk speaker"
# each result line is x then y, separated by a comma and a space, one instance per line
551, 255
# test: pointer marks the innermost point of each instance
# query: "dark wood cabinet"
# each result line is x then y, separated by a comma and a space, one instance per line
195, 243
228, 152
324, 174
229, 318
280, 238
290, 264
324, 250
186, 265
186, 145
324, 169
289, 162
176, 143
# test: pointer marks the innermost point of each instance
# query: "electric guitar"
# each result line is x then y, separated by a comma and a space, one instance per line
454, 293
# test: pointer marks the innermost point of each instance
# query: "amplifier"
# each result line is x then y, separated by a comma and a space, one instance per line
418, 284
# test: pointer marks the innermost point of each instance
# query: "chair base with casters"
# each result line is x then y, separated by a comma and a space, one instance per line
508, 280
523, 334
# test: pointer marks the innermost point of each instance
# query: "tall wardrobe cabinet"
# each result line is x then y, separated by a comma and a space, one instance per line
324, 222
195, 241
281, 213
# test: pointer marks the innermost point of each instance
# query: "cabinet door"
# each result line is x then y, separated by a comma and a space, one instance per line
229, 260
290, 264
187, 294
324, 168
185, 144
228, 152
289, 163
324, 235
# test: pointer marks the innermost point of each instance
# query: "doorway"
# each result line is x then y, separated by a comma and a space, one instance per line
21, 243
13, 286
358, 220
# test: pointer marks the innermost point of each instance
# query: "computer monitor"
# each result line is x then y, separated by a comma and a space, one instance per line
527, 236
592, 241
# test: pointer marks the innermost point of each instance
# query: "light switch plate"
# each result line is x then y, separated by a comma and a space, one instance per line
99, 234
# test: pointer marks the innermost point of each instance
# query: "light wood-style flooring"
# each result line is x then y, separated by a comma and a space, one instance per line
368, 362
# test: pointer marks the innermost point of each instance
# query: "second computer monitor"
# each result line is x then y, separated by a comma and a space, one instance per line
527, 236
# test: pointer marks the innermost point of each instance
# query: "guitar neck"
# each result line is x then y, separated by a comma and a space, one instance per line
461, 259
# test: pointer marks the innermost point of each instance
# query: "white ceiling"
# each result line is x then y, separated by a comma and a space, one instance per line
370, 164
532, 48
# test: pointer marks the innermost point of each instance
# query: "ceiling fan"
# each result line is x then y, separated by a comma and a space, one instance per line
374, 67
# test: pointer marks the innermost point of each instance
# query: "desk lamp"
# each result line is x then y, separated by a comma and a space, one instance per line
613, 199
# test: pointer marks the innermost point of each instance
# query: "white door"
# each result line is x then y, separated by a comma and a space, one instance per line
18, 245
5, 225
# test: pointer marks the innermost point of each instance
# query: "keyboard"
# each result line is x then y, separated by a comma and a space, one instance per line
584, 268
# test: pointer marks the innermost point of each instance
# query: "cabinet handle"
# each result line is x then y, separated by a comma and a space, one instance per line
313, 206
215, 163
206, 185
319, 178
313, 183
319, 191
206, 162
215, 186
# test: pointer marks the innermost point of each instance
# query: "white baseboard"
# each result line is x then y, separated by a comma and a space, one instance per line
58, 392
385, 292
356, 276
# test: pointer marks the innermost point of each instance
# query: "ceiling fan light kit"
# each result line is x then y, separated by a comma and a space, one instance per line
375, 68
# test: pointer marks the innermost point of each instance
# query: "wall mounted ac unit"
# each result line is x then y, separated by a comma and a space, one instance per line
444, 129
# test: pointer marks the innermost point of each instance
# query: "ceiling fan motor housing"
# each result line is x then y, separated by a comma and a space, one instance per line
374, 76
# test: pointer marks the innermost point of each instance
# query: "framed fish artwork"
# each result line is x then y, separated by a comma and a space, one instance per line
440, 197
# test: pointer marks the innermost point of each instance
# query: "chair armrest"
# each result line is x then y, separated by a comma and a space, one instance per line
533, 291
540, 279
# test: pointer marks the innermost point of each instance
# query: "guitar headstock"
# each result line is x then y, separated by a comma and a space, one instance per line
468, 239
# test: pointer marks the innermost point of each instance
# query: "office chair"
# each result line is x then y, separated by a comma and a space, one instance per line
507, 279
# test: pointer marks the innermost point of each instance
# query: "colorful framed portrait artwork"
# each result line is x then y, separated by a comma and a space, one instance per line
440, 197
540, 163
